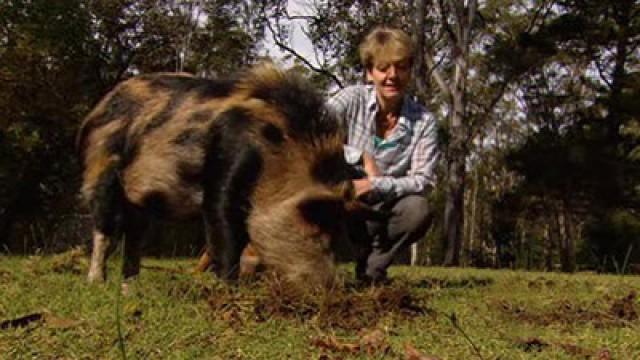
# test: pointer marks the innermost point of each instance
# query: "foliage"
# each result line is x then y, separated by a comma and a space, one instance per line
611, 242
57, 60
577, 162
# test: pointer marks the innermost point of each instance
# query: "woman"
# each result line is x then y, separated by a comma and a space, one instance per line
392, 140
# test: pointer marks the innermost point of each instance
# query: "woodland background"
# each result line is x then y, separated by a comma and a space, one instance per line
538, 104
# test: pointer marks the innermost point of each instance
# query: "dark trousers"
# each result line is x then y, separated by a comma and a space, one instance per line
377, 243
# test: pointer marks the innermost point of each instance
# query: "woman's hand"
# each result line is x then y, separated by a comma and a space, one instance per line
369, 163
361, 187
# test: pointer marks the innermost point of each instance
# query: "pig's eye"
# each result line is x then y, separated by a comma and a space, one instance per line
322, 211
273, 134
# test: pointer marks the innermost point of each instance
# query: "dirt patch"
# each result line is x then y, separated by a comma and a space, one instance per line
6, 275
191, 289
532, 344
373, 343
601, 314
233, 306
625, 308
411, 353
345, 307
540, 283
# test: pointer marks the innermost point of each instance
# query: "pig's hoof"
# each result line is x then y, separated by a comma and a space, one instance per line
125, 289
128, 287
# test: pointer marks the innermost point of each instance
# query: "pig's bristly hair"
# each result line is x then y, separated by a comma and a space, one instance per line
301, 104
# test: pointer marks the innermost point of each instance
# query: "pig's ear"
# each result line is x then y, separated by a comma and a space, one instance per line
323, 211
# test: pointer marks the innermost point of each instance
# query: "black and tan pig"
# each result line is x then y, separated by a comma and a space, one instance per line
258, 158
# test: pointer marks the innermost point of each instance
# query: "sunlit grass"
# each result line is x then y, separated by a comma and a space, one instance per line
461, 314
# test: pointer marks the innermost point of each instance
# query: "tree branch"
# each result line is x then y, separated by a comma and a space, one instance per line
601, 73
537, 13
297, 55
437, 75
487, 109
445, 22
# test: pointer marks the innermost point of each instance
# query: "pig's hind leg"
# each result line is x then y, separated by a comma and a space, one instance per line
99, 253
106, 210
115, 219
136, 226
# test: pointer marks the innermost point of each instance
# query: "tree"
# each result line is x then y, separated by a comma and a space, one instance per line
577, 159
56, 61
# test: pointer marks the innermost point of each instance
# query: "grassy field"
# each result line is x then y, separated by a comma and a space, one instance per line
48, 311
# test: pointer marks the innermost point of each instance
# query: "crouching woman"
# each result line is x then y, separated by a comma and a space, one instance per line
391, 140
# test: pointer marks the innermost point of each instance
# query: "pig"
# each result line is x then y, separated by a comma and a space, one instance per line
257, 157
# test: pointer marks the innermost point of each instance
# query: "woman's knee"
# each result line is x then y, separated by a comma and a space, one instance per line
412, 213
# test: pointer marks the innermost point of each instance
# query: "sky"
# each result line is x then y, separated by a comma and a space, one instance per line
298, 41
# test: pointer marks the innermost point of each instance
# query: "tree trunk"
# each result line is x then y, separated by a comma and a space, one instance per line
558, 235
6, 224
548, 248
456, 155
453, 216
457, 152
569, 248
472, 219
419, 69
527, 246
419, 73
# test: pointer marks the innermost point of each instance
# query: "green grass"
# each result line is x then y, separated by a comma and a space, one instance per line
461, 314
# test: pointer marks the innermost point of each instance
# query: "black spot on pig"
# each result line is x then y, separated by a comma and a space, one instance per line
168, 112
191, 137
200, 117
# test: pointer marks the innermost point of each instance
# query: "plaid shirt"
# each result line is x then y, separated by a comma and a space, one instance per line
407, 158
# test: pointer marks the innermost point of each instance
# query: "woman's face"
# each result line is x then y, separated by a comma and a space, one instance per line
390, 79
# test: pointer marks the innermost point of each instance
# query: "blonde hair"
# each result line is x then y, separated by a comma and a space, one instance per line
385, 45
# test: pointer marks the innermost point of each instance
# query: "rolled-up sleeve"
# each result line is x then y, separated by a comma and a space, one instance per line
340, 105
352, 155
344, 106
